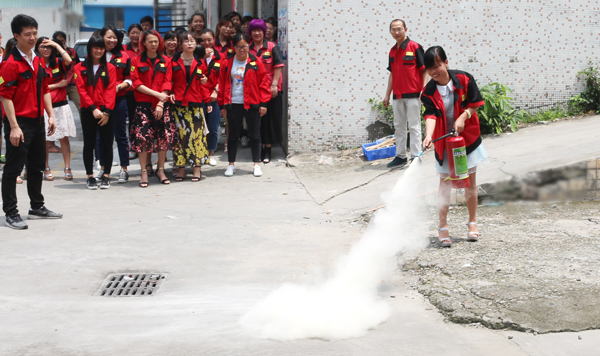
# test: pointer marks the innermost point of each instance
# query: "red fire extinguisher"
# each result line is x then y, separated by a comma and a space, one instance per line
456, 152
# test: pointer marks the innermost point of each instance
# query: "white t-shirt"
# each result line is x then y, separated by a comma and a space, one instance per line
238, 69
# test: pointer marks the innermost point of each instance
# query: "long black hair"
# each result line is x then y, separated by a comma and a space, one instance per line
94, 41
53, 52
119, 47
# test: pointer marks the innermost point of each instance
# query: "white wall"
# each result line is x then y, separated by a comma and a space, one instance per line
338, 55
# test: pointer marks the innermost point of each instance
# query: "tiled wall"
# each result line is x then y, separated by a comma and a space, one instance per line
338, 55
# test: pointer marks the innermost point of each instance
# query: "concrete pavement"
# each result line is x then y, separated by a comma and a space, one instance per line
225, 243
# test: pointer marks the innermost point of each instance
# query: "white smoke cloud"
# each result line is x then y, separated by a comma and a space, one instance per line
346, 304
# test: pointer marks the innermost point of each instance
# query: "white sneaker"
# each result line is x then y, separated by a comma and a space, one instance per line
245, 141
229, 171
212, 161
98, 166
100, 175
257, 171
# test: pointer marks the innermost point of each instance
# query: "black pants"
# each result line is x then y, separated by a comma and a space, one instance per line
32, 151
270, 125
235, 117
90, 127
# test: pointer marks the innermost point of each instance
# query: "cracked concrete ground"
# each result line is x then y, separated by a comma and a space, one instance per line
536, 269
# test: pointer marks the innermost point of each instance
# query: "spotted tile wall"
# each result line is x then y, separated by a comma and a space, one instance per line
338, 55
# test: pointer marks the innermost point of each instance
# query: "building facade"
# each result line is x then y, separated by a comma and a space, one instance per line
337, 55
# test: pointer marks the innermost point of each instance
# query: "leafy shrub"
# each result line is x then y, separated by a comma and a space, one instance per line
498, 112
387, 112
589, 99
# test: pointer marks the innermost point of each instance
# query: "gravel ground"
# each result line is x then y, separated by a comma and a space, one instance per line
536, 268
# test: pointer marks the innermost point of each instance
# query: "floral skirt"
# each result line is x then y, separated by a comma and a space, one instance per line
147, 134
191, 139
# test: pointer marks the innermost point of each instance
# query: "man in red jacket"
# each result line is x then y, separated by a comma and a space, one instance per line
25, 95
407, 79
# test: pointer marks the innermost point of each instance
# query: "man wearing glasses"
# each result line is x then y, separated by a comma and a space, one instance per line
407, 79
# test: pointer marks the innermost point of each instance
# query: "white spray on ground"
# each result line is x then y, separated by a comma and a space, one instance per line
346, 304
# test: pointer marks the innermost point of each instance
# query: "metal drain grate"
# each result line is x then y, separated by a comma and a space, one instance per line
131, 285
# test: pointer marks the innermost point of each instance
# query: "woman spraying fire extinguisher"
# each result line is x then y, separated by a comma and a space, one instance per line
451, 99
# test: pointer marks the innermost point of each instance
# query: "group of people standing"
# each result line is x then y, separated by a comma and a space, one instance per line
173, 90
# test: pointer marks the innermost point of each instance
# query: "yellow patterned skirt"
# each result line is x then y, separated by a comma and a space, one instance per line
192, 140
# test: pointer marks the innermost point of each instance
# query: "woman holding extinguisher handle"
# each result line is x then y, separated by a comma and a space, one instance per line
451, 99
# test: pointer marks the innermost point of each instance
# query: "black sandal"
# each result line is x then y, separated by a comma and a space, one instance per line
150, 170
179, 177
266, 154
197, 179
163, 181
144, 184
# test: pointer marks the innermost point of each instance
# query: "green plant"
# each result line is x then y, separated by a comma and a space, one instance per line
548, 115
387, 112
589, 99
498, 113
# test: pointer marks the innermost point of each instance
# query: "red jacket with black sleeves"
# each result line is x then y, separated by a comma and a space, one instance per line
270, 54
74, 60
55, 74
100, 94
466, 95
213, 72
156, 77
225, 50
406, 65
256, 84
23, 85
131, 53
122, 63
187, 86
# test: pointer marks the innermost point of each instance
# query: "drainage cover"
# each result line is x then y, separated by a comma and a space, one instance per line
131, 285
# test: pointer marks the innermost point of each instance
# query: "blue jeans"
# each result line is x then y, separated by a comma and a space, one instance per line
212, 121
121, 137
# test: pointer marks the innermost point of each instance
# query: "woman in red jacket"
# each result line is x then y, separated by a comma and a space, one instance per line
244, 92
451, 99
213, 118
96, 80
116, 55
189, 96
270, 55
153, 129
132, 49
224, 33
58, 62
